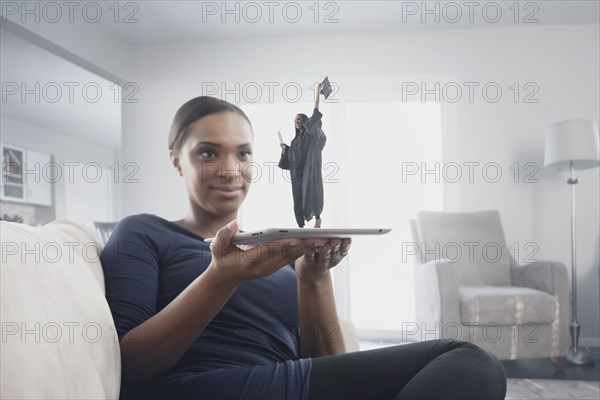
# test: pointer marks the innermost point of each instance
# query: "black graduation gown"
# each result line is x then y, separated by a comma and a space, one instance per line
305, 164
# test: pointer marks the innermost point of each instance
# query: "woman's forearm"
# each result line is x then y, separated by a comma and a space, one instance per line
158, 343
320, 326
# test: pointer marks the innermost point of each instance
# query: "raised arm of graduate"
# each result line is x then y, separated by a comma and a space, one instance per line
318, 95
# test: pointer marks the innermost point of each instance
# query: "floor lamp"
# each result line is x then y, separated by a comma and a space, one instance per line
573, 145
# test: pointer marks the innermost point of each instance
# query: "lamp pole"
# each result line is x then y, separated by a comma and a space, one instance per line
576, 355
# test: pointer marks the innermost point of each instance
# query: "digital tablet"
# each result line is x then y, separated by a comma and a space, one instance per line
270, 234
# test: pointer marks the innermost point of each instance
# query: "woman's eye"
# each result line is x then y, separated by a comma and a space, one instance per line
245, 153
207, 153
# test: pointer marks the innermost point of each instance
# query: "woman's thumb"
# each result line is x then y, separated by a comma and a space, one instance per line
223, 237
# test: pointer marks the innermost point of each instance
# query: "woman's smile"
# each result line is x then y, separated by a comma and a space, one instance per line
227, 192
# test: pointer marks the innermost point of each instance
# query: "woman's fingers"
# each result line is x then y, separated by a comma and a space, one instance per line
345, 247
251, 262
274, 255
266, 258
339, 249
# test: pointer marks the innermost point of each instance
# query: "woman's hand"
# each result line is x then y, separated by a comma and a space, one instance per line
236, 265
316, 264
320, 87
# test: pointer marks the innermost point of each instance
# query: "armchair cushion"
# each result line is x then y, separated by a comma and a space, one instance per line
506, 305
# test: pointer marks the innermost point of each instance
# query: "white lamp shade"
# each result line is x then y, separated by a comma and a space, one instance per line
572, 141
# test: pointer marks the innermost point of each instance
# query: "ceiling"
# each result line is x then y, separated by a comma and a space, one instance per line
175, 22
151, 23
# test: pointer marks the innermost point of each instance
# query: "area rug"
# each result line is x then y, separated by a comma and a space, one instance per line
552, 389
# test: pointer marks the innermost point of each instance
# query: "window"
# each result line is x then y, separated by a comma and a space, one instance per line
369, 147
388, 145
269, 202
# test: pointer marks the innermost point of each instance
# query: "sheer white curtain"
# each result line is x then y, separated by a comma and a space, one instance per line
383, 141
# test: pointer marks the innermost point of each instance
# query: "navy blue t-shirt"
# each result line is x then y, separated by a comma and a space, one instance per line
249, 350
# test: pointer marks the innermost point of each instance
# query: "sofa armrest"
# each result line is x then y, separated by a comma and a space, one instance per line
350, 336
436, 293
548, 276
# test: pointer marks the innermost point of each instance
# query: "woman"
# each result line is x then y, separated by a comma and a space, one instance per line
195, 321
304, 159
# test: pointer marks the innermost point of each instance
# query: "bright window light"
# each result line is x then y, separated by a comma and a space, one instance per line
269, 202
383, 139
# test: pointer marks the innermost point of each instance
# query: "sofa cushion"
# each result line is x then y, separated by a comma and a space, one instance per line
472, 241
506, 305
58, 338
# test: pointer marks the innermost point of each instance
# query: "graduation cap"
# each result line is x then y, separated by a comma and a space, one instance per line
326, 91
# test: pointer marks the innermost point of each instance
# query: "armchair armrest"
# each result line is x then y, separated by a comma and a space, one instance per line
548, 276
436, 293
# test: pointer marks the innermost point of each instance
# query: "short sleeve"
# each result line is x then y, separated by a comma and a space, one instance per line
130, 264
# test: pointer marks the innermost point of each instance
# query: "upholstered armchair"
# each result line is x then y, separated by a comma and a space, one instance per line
469, 287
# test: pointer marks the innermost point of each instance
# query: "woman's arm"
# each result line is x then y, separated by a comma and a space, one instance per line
320, 326
158, 343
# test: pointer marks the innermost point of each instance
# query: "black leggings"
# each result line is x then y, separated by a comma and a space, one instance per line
435, 369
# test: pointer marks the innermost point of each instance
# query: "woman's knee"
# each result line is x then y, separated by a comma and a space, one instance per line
467, 352
487, 366
484, 355
477, 354
460, 370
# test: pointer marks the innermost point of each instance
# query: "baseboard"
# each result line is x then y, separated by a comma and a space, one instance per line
589, 341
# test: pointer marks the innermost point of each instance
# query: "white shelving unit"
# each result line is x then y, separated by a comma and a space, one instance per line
25, 176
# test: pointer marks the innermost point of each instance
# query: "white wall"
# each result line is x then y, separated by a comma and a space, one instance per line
562, 61
63, 148
85, 44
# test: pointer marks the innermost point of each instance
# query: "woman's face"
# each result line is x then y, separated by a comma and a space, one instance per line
214, 160
298, 121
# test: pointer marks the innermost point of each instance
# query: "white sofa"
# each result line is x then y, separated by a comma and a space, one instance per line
58, 337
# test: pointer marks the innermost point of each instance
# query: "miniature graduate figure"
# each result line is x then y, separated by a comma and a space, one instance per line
303, 158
